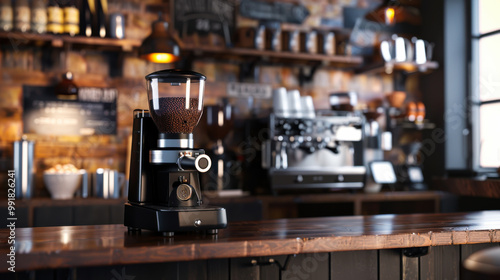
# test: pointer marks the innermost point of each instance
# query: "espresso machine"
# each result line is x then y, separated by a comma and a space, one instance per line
321, 153
164, 187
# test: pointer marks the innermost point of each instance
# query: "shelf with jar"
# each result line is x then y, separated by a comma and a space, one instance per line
61, 40
403, 55
407, 67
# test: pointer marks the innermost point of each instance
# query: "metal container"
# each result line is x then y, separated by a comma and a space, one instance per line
24, 152
117, 26
107, 183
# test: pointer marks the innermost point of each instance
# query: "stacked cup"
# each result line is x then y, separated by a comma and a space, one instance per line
289, 104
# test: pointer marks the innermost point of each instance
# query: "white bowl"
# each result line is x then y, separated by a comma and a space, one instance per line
62, 185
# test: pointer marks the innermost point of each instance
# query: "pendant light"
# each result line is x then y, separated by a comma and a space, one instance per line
159, 46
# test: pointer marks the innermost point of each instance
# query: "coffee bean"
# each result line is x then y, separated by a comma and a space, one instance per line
173, 117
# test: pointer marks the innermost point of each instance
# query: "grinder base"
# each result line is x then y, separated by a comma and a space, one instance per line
174, 219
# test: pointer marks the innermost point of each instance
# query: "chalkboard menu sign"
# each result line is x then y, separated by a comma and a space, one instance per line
203, 17
94, 113
274, 11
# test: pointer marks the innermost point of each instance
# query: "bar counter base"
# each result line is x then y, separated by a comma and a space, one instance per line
441, 262
413, 246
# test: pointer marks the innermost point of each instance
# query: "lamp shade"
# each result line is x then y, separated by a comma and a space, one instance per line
393, 12
159, 46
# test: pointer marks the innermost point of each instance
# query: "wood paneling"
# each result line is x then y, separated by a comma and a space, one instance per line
354, 265
52, 216
409, 268
442, 262
242, 269
218, 269
389, 264
467, 250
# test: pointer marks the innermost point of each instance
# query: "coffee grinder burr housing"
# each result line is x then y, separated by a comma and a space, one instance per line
164, 189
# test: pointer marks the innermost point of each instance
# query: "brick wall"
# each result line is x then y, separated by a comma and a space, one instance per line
42, 65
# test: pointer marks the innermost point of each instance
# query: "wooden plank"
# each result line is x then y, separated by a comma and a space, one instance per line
389, 264
195, 270
308, 266
52, 216
442, 262
469, 249
91, 215
218, 269
410, 269
116, 214
272, 271
354, 265
242, 269
168, 271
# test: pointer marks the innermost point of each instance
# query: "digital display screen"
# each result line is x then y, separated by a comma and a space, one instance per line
415, 174
383, 172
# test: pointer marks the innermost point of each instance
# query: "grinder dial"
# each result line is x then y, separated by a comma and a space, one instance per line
184, 192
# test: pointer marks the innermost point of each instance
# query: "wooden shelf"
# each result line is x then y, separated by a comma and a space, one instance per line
61, 40
58, 41
273, 56
416, 126
390, 67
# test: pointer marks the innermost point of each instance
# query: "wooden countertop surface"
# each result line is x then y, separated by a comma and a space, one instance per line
58, 247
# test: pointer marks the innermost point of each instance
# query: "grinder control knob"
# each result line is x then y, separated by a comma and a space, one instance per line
203, 163
184, 192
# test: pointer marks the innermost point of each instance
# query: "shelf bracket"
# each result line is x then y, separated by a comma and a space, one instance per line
272, 261
415, 252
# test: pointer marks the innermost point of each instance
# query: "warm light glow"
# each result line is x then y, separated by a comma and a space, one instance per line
389, 16
220, 118
65, 235
161, 57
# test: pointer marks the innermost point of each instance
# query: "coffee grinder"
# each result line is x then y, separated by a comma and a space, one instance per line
164, 186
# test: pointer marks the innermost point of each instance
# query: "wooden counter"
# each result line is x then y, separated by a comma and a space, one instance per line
466, 186
77, 246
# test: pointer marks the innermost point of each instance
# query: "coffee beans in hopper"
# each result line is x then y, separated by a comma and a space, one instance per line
173, 117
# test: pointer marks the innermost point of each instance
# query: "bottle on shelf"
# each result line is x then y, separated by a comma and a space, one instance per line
22, 16
71, 18
101, 9
39, 16
6, 15
86, 18
55, 18
66, 89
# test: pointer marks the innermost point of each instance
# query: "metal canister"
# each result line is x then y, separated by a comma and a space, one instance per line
24, 152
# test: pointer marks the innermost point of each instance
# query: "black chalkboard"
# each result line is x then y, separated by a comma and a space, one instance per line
204, 17
274, 11
94, 113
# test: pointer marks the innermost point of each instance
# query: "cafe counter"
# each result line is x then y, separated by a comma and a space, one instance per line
363, 247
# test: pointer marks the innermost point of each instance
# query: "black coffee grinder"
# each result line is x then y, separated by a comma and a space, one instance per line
164, 187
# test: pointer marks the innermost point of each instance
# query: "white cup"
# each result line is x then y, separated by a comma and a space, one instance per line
280, 103
295, 103
308, 107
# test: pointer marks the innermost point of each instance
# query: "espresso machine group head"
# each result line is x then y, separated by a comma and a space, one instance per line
164, 186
